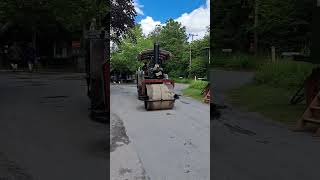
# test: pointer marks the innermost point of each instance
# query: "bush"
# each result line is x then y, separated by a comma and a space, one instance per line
195, 89
200, 85
238, 61
198, 67
283, 74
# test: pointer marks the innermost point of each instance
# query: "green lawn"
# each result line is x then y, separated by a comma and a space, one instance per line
194, 89
194, 93
268, 101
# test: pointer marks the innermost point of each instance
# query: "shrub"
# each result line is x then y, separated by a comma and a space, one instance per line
200, 85
238, 61
198, 67
284, 74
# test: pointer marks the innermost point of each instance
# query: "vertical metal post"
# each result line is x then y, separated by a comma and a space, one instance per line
156, 53
190, 60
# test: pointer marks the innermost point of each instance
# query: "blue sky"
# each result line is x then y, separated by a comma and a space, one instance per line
162, 10
194, 14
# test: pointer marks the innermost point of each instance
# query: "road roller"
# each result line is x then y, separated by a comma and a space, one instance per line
153, 85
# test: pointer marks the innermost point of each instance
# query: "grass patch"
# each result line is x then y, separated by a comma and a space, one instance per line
194, 93
283, 74
182, 80
237, 62
269, 101
195, 89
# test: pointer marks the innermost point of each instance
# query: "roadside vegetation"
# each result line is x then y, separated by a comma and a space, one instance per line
195, 89
246, 33
240, 62
273, 86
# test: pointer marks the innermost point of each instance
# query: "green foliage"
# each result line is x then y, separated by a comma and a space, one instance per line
237, 62
281, 24
199, 85
194, 93
283, 74
230, 24
195, 89
172, 37
198, 47
285, 24
125, 58
78, 12
71, 15
198, 67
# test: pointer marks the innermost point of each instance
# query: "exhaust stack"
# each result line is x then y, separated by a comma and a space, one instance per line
156, 50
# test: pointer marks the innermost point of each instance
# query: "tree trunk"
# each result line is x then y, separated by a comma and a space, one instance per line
256, 14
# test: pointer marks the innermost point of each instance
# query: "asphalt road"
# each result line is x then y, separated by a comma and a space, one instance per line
167, 144
248, 146
45, 132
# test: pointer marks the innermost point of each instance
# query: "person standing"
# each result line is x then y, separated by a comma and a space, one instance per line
14, 56
30, 56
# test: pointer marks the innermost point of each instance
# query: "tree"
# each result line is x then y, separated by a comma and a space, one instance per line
172, 37
73, 15
124, 60
285, 24
198, 46
35, 16
230, 24
200, 56
121, 18
199, 67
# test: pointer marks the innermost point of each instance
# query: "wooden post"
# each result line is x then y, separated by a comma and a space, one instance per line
273, 54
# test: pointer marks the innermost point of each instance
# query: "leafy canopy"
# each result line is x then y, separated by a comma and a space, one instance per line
124, 59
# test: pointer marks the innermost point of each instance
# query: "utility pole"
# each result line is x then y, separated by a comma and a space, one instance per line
256, 14
190, 61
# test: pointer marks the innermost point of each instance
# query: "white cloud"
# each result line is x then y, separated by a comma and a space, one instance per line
197, 21
148, 25
138, 7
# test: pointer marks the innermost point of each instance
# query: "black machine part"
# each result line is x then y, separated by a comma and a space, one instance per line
156, 51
